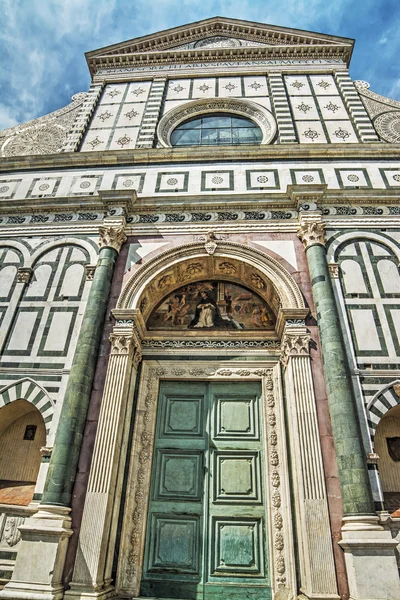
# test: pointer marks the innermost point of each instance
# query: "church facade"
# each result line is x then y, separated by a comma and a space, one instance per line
200, 326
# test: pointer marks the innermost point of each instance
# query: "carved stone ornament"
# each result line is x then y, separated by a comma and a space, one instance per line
334, 270
120, 344
294, 346
112, 237
24, 274
46, 452
89, 271
211, 243
312, 233
11, 532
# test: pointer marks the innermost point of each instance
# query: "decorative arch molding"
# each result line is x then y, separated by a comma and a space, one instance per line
242, 107
183, 264
387, 398
333, 247
20, 248
85, 245
29, 390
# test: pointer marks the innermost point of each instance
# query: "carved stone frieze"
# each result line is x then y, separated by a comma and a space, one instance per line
152, 344
112, 237
312, 233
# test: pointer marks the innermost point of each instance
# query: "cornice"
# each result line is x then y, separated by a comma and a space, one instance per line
178, 57
112, 158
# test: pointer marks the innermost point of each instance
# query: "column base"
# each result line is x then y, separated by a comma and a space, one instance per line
370, 559
40, 560
85, 591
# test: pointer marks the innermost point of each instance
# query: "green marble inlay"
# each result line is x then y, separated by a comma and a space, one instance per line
354, 480
64, 459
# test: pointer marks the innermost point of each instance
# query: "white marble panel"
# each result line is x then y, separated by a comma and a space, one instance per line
349, 250
304, 108
365, 330
39, 281
341, 132
283, 248
332, 107
104, 116
77, 255
308, 176
353, 277
22, 331
204, 88
255, 86
297, 85
172, 181
389, 274
11, 257
58, 332
229, 87
379, 251
84, 185
395, 313
43, 187
131, 114
125, 182
264, 179
266, 102
217, 180
72, 280
310, 132
170, 104
124, 138
113, 93
324, 85
96, 140
353, 178
392, 176
7, 188
178, 89
138, 91
7, 277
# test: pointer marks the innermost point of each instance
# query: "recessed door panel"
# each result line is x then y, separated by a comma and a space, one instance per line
206, 527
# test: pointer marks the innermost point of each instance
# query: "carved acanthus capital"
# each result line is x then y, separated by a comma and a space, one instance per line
24, 274
121, 343
89, 272
294, 345
112, 237
311, 233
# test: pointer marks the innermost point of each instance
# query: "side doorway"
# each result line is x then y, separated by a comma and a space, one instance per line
206, 535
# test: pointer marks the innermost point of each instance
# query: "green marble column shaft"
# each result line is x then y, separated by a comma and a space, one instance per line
350, 455
64, 459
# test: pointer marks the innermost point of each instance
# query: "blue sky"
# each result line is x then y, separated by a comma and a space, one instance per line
42, 42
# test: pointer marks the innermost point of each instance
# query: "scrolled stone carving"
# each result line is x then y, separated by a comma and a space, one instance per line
112, 237
294, 345
312, 233
120, 344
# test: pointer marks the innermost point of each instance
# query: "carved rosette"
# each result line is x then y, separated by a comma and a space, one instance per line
112, 237
24, 274
312, 233
294, 344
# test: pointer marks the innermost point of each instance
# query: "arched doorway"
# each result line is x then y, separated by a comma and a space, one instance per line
387, 447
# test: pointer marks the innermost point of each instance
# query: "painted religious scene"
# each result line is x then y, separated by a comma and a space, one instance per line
213, 305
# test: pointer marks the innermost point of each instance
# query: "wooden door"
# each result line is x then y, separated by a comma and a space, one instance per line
206, 528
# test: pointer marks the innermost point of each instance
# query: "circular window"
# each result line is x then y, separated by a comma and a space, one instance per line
218, 129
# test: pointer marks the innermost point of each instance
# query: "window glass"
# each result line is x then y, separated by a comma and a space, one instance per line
216, 130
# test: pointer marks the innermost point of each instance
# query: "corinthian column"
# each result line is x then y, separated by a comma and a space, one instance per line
40, 560
317, 569
93, 565
369, 549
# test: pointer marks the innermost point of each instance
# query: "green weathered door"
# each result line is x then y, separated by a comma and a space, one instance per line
206, 528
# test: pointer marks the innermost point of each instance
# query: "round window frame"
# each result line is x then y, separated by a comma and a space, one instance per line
261, 116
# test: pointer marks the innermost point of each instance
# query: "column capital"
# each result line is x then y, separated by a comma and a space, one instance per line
295, 343
125, 340
312, 232
24, 274
334, 270
112, 236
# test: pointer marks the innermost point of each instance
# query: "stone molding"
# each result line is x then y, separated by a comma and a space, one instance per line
112, 237
263, 117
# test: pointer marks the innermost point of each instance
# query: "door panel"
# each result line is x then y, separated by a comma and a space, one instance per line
207, 519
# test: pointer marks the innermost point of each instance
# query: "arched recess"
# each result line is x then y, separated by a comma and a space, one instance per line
386, 399
387, 447
86, 245
230, 261
27, 389
243, 107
